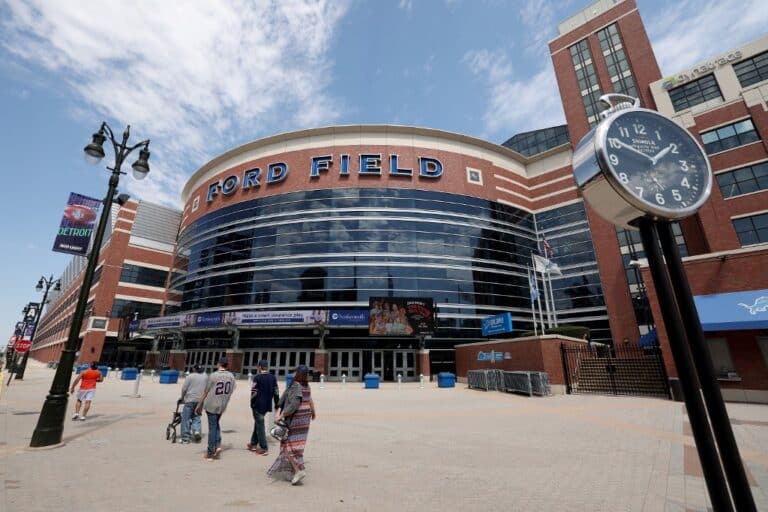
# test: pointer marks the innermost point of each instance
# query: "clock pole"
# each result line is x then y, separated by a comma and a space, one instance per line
726, 443
697, 414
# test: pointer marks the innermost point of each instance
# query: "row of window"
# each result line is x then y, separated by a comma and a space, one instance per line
616, 60
753, 229
122, 308
586, 77
729, 136
744, 181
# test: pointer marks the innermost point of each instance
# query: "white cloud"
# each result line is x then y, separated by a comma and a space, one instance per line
514, 105
686, 33
194, 80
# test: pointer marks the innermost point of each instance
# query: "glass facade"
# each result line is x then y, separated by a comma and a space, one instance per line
538, 141
752, 70
325, 249
587, 79
616, 60
729, 136
694, 93
143, 275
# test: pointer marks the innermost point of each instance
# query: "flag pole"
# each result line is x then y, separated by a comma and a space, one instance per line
533, 307
552, 294
535, 280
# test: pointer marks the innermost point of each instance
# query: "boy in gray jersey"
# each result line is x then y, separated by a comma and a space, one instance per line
221, 385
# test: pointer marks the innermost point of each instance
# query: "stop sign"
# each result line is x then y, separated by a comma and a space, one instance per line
22, 345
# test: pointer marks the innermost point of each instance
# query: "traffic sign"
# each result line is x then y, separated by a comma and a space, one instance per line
22, 346
12, 341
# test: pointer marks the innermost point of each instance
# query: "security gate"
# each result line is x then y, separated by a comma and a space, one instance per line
346, 362
606, 370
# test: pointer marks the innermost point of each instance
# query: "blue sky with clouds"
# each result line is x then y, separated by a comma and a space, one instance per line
202, 79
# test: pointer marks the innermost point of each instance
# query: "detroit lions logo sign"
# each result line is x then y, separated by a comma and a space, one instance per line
760, 306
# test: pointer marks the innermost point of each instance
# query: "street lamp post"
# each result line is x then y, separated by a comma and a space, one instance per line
46, 284
50, 425
28, 314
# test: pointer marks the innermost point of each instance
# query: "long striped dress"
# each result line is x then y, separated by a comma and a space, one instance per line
292, 448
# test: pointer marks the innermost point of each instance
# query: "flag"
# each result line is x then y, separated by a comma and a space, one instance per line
548, 252
534, 288
545, 265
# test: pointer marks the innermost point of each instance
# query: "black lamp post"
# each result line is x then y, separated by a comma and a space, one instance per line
46, 284
50, 425
28, 312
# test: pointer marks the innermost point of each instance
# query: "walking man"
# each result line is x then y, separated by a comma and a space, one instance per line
191, 391
218, 391
263, 393
87, 379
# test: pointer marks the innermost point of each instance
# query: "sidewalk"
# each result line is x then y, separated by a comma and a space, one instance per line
389, 449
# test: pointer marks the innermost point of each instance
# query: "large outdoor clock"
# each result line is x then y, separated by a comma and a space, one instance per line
637, 163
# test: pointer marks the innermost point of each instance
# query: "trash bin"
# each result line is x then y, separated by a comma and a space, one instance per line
288, 380
82, 367
446, 380
104, 371
169, 377
129, 374
371, 381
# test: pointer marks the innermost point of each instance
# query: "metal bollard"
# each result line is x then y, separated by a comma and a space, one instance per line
136, 386
322, 380
250, 377
343, 380
421, 381
399, 380
151, 375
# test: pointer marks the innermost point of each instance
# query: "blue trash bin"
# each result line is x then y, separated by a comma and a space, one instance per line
82, 367
371, 381
104, 371
169, 377
446, 380
129, 374
288, 380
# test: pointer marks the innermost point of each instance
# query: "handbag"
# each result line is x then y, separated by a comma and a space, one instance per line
279, 431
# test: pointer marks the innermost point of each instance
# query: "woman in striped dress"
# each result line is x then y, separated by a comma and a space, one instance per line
297, 409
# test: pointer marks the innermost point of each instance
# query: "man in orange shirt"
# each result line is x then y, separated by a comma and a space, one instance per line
88, 380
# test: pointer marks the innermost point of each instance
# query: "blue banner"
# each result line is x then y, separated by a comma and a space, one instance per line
497, 324
76, 226
733, 311
210, 319
357, 317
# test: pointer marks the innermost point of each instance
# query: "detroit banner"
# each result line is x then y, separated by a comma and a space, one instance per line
76, 225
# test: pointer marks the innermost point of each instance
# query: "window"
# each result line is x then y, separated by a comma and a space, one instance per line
587, 78
143, 275
616, 61
753, 70
474, 176
694, 93
122, 308
744, 180
729, 136
752, 230
538, 141
721, 356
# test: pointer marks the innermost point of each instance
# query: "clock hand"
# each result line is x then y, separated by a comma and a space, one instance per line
623, 144
661, 154
656, 181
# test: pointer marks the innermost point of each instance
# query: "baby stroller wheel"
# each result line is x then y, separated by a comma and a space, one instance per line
167, 433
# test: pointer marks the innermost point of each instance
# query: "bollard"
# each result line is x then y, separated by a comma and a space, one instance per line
151, 375
343, 380
136, 386
322, 380
250, 378
421, 381
186, 374
399, 380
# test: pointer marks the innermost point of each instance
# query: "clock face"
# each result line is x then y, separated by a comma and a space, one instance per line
657, 165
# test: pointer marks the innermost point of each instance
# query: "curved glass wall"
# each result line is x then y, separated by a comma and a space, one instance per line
337, 248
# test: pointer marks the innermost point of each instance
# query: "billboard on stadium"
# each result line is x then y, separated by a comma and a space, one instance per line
76, 226
400, 316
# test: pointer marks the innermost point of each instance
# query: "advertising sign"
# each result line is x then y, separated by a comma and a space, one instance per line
348, 317
76, 225
497, 324
400, 316
210, 319
303, 317
167, 322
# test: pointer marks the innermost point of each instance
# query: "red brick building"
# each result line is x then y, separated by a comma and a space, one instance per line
129, 282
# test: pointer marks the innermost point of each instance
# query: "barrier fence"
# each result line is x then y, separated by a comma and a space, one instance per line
529, 383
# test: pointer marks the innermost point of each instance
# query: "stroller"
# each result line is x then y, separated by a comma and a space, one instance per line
170, 430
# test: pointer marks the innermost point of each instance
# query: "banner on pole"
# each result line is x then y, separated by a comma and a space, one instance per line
76, 225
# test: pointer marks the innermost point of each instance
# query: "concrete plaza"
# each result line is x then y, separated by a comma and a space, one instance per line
395, 448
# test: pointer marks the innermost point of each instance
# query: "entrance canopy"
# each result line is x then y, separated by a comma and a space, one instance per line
733, 311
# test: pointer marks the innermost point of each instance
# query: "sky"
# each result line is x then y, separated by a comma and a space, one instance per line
203, 79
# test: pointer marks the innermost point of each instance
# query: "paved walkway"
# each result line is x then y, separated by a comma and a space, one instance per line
390, 449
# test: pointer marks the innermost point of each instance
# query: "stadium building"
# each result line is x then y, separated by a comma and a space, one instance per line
287, 243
